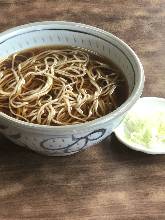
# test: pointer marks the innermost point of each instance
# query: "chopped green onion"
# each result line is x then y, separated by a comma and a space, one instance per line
147, 129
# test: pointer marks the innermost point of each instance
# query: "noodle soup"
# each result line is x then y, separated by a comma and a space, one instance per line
60, 85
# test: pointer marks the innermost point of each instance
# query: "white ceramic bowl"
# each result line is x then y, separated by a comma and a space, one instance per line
65, 140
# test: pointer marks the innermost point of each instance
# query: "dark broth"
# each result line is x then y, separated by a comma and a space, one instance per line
121, 93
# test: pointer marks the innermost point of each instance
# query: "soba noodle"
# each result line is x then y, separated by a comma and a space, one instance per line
57, 86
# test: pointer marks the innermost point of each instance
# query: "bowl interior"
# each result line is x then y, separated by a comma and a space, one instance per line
24, 38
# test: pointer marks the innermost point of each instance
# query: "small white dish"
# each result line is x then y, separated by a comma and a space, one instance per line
144, 106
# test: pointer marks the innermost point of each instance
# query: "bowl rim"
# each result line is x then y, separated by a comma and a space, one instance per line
135, 94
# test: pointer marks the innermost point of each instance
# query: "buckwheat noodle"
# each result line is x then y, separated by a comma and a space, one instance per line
56, 87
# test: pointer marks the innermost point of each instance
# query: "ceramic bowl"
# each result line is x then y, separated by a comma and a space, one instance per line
65, 140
